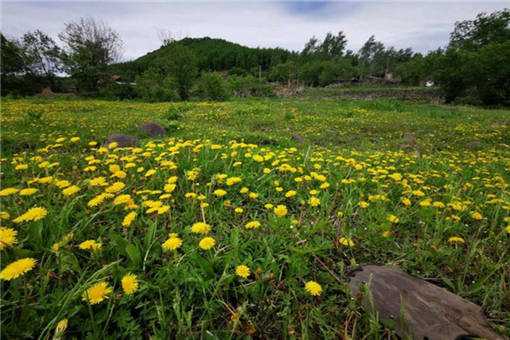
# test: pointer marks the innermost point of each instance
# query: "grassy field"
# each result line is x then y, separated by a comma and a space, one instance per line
247, 219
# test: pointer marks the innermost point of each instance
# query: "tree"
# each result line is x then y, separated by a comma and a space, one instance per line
372, 58
475, 65
485, 29
153, 86
181, 64
89, 47
11, 56
332, 46
212, 86
41, 54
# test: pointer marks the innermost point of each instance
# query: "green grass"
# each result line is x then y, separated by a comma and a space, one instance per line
373, 155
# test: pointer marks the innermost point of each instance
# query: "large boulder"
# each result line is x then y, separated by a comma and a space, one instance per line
419, 309
153, 129
122, 140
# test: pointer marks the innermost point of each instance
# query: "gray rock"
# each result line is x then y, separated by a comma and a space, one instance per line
122, 140
153, 129
418, 309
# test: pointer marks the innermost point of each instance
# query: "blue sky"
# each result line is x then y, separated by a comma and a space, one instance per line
422, 25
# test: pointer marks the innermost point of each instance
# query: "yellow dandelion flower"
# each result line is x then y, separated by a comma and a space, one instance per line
207, 243
8, 192
99, 199
345, 241
172, 243
314, 201
4, 215
17, 268
290, 193
200, 228
98, 182
128, 219
507, 229
97, 293
61, 328
243, 271
28, 191
32, 214
219, 193
456, 240
71, 190
7, 237
313, 288
91, 245
62, 184
476, 216
252, 225
129, 283
280, 210
233, 181
392, 218
115, 187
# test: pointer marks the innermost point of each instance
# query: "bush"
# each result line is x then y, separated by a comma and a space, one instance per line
481, 75
211, 86
249, 86
117, 91
152, 86
176, 111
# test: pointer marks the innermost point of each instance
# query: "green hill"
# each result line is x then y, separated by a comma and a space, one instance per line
212, 55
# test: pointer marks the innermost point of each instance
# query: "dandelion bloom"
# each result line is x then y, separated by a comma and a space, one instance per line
507, 229
61, 327
129, 284
7, 237
128, 219
219, 192
98, 182
280, 210
476, 216
313, 288
8, 192
33, 214
392, 218
172, 243
456, 240
345, 241
28, 191
97, 293
90, 245
115, 187
314, 201
290, 193
233, 180
71, 190
99, 199
17, 268
252, 225
243, 271
200, 228
207, 243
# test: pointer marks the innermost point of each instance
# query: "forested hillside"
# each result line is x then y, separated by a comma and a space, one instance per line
212, 55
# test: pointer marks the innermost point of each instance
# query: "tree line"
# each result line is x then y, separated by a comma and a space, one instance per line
474, 65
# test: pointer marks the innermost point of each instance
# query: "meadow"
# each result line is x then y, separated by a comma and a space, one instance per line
248, 218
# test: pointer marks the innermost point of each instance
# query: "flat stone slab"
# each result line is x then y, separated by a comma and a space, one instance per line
419, 309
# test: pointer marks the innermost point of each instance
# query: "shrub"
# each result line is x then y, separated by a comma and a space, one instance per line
249, 86
152, 86
176, 111
212, 86
117, 91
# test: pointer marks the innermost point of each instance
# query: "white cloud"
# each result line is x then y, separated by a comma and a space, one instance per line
421, 25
